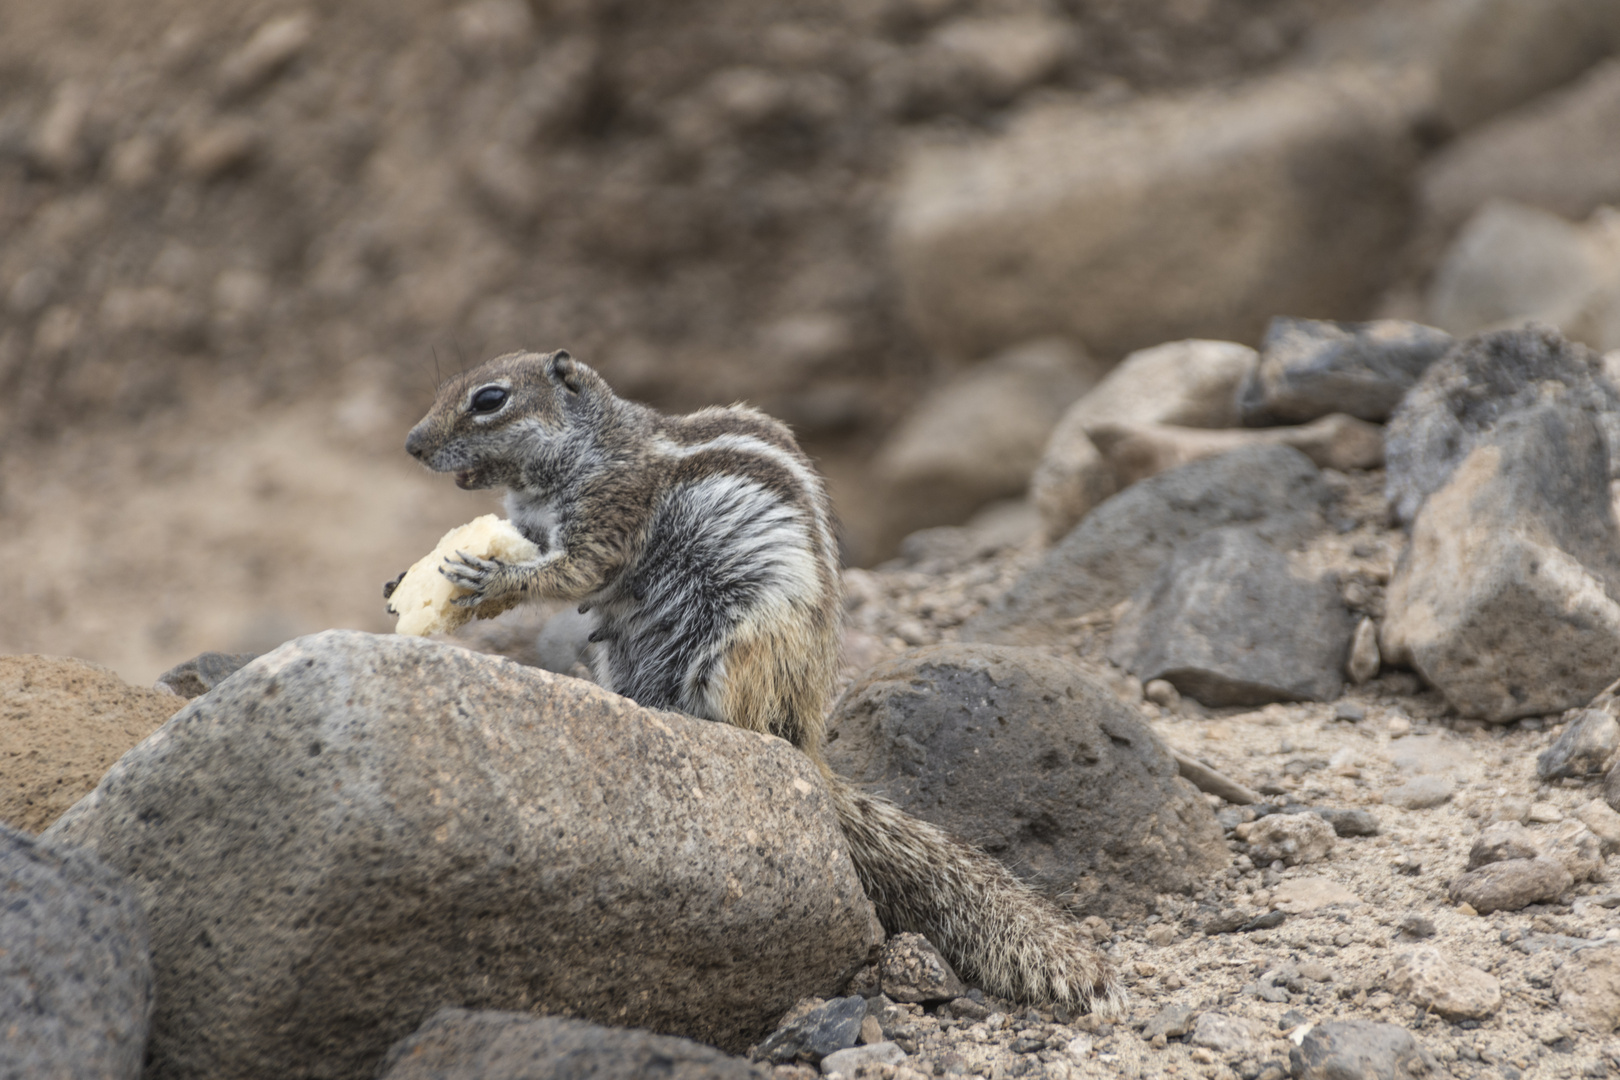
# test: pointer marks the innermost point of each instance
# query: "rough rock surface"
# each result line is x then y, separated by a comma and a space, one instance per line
1511, 884
1227, 622
195, 677
1030, 758
463, 1044
1225, 1034
1463, 396
811, 1034
910, 968
1588, 987
1121, 544
1430, 979
1358, 1050
1167, 217
1504, 599
1295, 839
433, 824
1071, 478
1311, 367
1420, 793
75, 970
64, 723
1583, 748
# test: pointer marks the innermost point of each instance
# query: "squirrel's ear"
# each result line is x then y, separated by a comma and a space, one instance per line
563, 369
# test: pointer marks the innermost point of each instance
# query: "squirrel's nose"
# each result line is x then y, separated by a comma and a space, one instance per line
416, 442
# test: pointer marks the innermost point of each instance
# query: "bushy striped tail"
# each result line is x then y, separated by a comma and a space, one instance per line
996, 931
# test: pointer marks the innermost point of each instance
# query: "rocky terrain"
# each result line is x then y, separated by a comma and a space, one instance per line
1280, 649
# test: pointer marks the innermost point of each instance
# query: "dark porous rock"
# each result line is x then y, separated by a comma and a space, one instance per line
1505, 598
1348, 821
813, 1034
911, 969
1172, 1021
1311, 367
1036, 761
1466, 394
1359, 1050
75, 971
1511, 884
1120, 545
1226, 622
203, 672
355, 829
1582, 748
462, 1044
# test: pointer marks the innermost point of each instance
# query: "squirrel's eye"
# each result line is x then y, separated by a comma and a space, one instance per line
488, 399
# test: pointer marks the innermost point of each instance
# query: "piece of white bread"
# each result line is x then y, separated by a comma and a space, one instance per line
422, 599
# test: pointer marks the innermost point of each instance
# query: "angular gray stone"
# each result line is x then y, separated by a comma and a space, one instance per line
1041, 765
911, 969
1588, 987
75, 969
1359, 1050
1502, 840
1226, 621
1582, 748
1349, 821
463, 1044
1232, 1036
1187, 215
356, 828
1123, 542
1312, 367
202, 672
1511, 884
1431, 979
815, 1033
1172, 1021
846, 1062
1466, 394
1505, 597
1293, 838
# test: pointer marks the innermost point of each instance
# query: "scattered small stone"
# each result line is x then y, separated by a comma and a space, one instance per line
1364, 659
1299, 895
1172, 1022
1582, 748
1293, 838
1504, 840
1162, 693
1358, 1050
969, 1009
822, 1030
1604, 822
202, 673
1511, 885
1026, 1045
848, 1061
914, 971
1399, 726
1545, 813
1588, 986
1414, 927
1507, 808
1226, 921
1431, 980
1225, 1034
1291, 1019
1347, 821
1421, 793
1353, 711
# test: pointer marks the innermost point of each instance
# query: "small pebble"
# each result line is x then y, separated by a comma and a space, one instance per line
1399, 726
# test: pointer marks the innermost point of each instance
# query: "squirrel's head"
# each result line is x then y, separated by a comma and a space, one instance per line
486, 424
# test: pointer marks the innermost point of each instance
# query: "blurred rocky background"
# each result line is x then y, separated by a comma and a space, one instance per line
242, 240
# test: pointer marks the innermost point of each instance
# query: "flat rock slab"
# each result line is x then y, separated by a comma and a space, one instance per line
1035, 761
75, 969
1430, 979
1226, 621
63, 722
1464, 395
1312, 367
1124, 541
354, 829
463, 1044
1505, 597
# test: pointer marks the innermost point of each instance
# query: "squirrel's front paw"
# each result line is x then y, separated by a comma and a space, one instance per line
484, 579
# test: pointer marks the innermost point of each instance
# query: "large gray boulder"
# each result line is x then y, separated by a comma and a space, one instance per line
1312, 367
1505, 599
1037, 762
1464, 395
1121, 543
1191, 215
461, 1044
1226, 621
75, 969
355, 830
